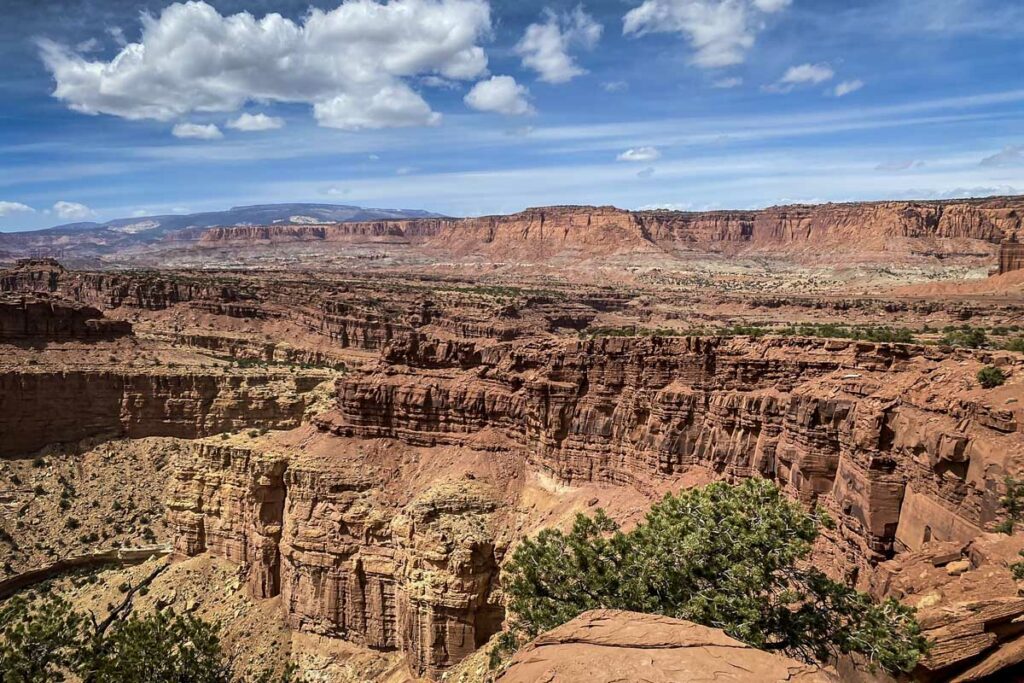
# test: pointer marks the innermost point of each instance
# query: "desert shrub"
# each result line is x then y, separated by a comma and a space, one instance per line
1015, 344
967, 337
732, 557
1012, 503
990, 377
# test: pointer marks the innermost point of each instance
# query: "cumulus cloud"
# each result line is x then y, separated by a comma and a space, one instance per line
719, 31
847, 87
545, 47
500, 94
73, 211
8, 208
640, 154
1010, 156
197, 131
615, 86
351, 63
256, 122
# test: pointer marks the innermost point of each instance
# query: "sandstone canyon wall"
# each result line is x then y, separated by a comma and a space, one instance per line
871, 430
419, 577
41, 406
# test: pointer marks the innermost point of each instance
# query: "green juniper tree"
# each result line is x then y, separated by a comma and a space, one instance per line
730, 557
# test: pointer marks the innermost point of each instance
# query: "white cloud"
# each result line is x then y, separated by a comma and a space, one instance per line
808, 73
438, 82
802, 74
405, 170
639, 154
500, 94
847, 87
256, 122
615, 86
719, 31
8, 208
393, 106
545, 47
351, 63
73, 211
1010, 156
197, 131
726, 83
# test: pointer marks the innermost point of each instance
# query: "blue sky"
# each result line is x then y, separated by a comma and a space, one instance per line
114, 108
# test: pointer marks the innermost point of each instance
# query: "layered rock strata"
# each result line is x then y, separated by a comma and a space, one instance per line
1011, 256
968, 604
418, 577
40, 319
41, 406
898, 440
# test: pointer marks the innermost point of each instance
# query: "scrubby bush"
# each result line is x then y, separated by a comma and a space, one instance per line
967, 337
1015, 344
990, 377
732, 557
1012, 503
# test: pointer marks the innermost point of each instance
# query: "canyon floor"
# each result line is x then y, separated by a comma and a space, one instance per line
331, 450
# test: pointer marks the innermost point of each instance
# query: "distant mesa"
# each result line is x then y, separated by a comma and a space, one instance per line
962, 231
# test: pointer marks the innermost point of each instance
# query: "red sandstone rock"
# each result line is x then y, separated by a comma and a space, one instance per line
420, 578
611, 646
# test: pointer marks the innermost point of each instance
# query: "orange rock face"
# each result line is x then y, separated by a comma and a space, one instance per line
419, 577
1011, 257
870, 430
609, 646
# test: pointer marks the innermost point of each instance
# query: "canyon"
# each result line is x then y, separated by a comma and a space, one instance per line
357, 449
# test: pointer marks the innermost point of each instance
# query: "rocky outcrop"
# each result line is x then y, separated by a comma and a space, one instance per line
1011, 256
898, 440
41, 406
609, 646
968, 604
419, 577
42, 319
